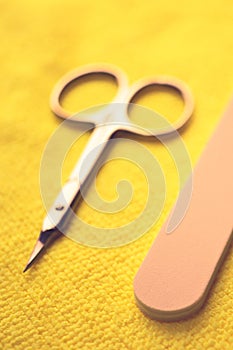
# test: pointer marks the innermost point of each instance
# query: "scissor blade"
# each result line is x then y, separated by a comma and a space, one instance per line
36, 251
45, 238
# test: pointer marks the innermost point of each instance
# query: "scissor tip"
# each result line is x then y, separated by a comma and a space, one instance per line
36, 251
26, 268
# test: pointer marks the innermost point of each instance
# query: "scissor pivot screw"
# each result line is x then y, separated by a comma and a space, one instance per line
59, 207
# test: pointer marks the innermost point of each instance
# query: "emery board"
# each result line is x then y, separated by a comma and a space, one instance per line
176, 275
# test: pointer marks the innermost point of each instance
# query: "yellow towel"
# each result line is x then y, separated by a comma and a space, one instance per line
77, 297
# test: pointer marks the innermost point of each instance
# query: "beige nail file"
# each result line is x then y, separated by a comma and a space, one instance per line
176, 275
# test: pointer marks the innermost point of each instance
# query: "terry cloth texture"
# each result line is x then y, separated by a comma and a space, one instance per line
78, 297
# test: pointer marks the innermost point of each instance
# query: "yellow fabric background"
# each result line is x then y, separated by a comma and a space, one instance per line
77, 297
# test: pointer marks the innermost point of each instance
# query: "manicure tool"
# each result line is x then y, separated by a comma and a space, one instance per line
100, 135
178, 272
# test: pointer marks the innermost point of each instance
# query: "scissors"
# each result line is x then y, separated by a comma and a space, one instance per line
106, 123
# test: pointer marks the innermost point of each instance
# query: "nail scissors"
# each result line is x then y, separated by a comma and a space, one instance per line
106, 123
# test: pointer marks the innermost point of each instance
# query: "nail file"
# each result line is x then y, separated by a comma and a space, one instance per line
176, 275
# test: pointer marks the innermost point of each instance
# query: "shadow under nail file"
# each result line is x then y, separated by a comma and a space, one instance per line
176, 275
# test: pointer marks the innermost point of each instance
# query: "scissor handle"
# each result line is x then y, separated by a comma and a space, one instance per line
167, 81
77, 73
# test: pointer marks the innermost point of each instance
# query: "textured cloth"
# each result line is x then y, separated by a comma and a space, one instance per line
77, 297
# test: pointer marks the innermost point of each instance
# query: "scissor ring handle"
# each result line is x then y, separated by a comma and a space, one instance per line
77, 73
167, 81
